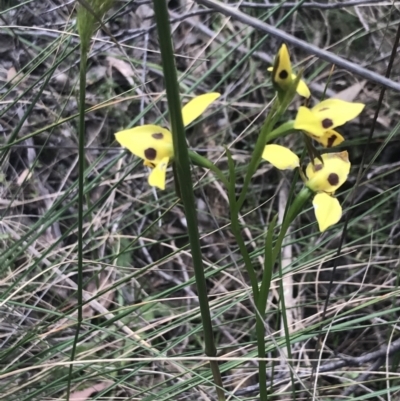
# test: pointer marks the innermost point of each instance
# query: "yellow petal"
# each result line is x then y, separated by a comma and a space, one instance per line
339, 111
327, 160
335, 112
326, 115
280, 157
157, 175
302, 88
282, 70
308, 122
327, 210
330, 175
195, 107
330, 139
150, 142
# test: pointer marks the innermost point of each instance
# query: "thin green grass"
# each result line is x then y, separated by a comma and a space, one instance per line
141, 317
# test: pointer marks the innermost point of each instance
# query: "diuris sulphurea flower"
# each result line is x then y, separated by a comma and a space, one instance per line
322, 177
282, 75
153, 143
320, 121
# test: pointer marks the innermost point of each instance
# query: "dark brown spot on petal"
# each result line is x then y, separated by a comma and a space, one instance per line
157, 135
150, 153
327, 123
333, 179
331, 140
324, 108
318, 167
283, 74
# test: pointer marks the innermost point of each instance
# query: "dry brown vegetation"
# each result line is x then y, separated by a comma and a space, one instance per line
141, 337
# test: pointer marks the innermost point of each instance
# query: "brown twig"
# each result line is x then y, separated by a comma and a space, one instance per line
321, 53
319, 6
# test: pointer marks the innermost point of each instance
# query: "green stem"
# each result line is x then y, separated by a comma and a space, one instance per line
204, 162
257, 153
270, 259
282, 130
81, 199
81, 177
267, 134
292, 213
262, 364
237, 232
285, 323
272, 254
260, 312
236, 227
201, 161
182, 164
268, 267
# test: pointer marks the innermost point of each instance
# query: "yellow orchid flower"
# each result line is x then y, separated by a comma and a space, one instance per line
324, 178
328, 175
320, 121
282, 74
153, 143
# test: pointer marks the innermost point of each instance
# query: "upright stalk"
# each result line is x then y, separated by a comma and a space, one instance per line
89, 15
81, 200
182, 166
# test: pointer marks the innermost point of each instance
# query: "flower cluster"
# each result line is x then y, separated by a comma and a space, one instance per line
323, 175
326, 174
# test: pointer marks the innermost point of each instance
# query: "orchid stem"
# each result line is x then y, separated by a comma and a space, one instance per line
182, 166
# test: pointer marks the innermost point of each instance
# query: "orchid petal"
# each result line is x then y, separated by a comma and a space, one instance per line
330, 139
302, 88
327, 210
326, 116
280, 157
195, 107
338, 111
150, 142
329, 175
158, 174
282, 70
282, 73
308, 122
